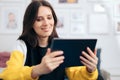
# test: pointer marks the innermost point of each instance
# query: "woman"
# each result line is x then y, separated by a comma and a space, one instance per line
32, 58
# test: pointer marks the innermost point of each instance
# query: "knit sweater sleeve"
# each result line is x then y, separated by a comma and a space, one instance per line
80, 73
15, 69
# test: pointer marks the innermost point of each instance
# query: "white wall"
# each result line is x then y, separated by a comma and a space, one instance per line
7, 41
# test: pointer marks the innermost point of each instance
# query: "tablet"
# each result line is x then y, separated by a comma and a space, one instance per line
72, 49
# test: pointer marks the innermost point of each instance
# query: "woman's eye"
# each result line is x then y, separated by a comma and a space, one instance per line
49, 17
38, 19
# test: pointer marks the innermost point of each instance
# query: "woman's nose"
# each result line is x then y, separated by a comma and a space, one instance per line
45, 22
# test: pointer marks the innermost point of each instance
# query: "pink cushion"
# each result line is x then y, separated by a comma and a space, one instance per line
4, 56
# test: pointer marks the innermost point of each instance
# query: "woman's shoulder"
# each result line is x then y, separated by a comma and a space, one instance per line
20, 46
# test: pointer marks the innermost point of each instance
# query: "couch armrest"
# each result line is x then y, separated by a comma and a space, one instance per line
4, 56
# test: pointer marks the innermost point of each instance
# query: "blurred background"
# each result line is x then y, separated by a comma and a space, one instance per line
76, 19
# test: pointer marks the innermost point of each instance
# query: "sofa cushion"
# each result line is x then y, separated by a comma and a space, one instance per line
4, 56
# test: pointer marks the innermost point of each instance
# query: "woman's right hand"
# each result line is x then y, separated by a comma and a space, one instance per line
49, 62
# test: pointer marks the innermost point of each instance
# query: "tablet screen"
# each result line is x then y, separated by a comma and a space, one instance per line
72, 49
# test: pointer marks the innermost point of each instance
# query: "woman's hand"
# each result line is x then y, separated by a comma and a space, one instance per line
49, 62
89, 59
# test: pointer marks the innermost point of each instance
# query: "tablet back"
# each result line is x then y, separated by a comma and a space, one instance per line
72, 49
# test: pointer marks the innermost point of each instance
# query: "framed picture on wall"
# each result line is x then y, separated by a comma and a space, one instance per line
11, 19
78, 15
99, 8
117, 9
98, 24
117, 25
78, 21
66, 3
63, 22
77, 28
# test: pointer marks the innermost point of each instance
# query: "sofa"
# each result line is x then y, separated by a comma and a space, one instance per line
4, 56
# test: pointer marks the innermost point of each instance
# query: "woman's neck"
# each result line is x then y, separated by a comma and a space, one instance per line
43, 42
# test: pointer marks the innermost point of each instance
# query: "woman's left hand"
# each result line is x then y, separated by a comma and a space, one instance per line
89, 59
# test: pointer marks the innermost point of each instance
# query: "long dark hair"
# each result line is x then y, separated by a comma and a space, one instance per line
28, 33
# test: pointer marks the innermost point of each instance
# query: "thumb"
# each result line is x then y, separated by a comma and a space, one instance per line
48, 51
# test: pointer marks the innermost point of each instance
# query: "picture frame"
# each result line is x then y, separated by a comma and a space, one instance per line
66, 3
77, 28
117, 25
78, 20
99, 8
98, 24
117, 9
11, 19
63, 21
78, 15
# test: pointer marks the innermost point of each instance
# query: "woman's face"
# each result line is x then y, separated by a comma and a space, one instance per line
44, 23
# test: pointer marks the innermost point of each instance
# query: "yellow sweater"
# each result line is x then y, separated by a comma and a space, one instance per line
21, 72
